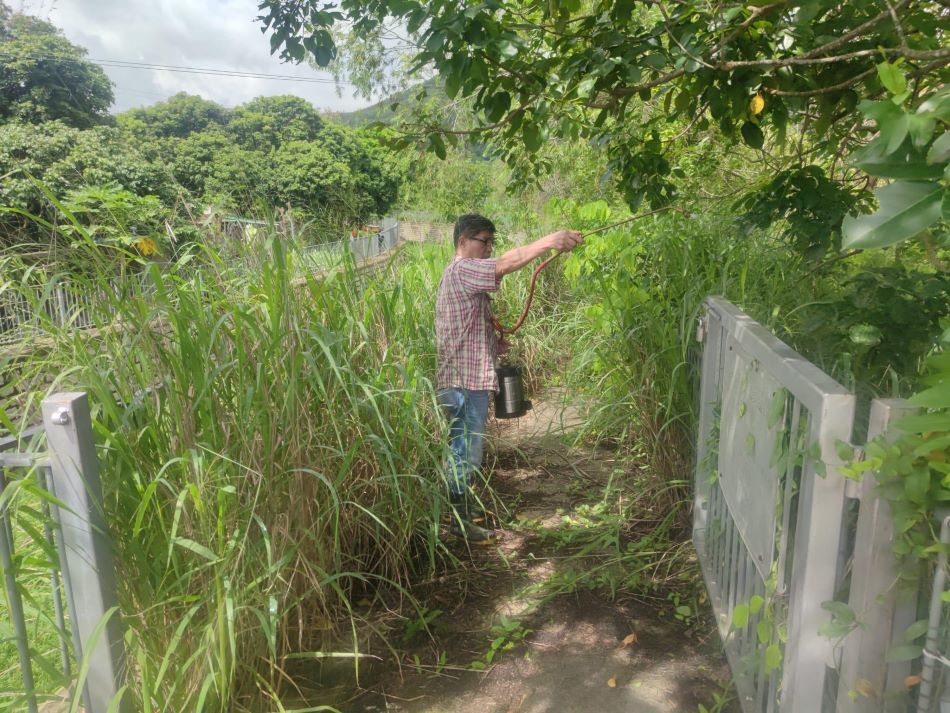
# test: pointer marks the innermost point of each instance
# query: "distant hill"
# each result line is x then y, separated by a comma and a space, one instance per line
382, 111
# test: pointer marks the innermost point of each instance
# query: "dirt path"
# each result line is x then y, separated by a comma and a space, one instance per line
524, 611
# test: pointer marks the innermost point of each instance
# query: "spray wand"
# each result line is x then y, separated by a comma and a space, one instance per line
534, 276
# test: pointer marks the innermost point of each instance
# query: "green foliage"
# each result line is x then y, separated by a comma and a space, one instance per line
913, 469
754, 73
179, 115
271, 150
245, 525
43, 76
507, 633
113, 217
269, 122
64, 159
807, 205
910, 147
883, 321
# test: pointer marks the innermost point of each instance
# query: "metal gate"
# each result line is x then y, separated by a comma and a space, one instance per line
783, 538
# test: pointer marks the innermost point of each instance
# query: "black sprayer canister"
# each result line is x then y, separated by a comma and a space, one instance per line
509, 399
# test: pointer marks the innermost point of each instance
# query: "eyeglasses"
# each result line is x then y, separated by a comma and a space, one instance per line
489, 242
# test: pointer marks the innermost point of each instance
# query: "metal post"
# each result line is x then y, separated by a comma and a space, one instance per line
54, 537
86, 557
875, 593
927, 673
808, 654
711, 339
16, 604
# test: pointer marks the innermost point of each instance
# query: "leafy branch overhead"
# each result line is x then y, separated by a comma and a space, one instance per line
538, 70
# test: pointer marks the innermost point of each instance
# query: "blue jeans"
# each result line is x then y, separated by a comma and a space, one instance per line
466, 411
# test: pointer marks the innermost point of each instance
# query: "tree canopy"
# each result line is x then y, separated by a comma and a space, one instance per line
180, 115
803, 80
45, 77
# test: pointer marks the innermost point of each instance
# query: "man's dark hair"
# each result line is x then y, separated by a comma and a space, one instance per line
471, 224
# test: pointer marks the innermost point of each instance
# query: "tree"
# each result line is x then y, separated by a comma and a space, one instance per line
267, 122
44, 77
63, 159
180, 115
636, 77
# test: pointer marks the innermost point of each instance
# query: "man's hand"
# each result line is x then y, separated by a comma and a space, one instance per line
564, 240
516, 258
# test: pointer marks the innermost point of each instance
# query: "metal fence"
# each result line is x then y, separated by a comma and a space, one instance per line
327, 255
66, 478
62, 304
782, 535
33, 311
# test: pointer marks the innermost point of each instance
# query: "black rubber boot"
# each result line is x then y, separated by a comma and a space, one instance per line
467, 508
463, 515
470, 532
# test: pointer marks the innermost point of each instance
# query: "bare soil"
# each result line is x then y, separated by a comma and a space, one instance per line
562, 648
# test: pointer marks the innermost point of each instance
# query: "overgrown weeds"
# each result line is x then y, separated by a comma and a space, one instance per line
269, 449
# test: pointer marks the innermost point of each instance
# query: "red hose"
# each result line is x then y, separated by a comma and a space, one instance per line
527, 305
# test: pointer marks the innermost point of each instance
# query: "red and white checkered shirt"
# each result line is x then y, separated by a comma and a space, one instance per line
467, 342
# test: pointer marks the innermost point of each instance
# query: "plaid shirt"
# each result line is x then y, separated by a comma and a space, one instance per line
466, 340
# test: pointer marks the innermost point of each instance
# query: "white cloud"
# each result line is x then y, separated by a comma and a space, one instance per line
217, 34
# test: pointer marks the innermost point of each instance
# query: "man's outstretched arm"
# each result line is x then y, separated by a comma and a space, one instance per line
517, 258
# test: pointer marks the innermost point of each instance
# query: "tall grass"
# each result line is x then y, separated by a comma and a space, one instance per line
269, 449
636, 354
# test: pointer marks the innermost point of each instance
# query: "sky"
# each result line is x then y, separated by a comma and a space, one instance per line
219, 34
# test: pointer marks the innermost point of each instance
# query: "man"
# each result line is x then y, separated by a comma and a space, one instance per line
468, 348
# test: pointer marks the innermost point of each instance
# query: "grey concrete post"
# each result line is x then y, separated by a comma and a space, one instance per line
86, 556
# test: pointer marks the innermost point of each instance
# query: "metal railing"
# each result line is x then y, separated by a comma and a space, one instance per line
62, 304
75, 304
784, 539
67, 476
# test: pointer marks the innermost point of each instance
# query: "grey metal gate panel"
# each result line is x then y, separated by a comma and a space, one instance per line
769, 503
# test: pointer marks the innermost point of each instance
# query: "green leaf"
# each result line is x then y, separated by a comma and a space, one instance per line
532, 136
865, 334
921, 129
773, 658
777, 407
841, 611
908, 652
763, 631
507, 48
752, 135
937, 396
453, 83
891, 121
437, 145
906, 162
940, 150
586, 87
749, 444
892, 77
197, 548
740, 616
916, 630
844, 450
905, 209
498, 105
916, 485
755, 604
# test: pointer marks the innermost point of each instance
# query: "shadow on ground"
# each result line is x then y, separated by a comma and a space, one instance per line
513, 633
